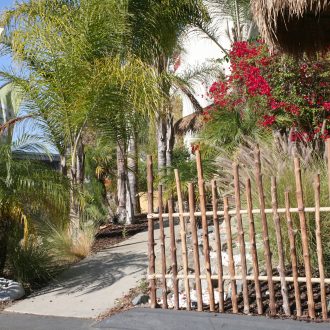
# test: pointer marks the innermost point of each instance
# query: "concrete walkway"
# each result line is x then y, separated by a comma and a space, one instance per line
92, 286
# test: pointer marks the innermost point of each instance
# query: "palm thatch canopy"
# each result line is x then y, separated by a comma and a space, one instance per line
294, 26
191, 123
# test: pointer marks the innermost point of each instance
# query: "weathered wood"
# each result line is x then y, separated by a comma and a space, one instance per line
218, 246
241, 241
327, 144
319, 248
183, 235
267, 253
293, 254
304, 237
173, 255
151, 238
162, 245
193, 226
254, 255
230, 255
206, 248
280, 249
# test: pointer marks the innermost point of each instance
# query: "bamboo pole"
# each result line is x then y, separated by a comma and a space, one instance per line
327, 144
173, 255
183, 239
279, 240
254, 255
241, 240
319, 249
293, 254
151, 237
267, 253
206, 248
230, 255
218, 246
162, 245
195, 247
304, 237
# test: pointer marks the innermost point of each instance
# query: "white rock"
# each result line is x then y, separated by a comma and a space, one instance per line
10, 290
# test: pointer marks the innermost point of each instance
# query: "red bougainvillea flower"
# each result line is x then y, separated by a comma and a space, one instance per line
326, 106
268, 120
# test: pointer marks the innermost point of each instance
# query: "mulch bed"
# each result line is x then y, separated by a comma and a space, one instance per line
279, 299
113, 234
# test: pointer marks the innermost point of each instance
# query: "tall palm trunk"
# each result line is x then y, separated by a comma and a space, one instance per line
169, 139
121, 183
161, 143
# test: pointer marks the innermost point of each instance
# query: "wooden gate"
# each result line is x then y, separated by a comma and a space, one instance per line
262, 272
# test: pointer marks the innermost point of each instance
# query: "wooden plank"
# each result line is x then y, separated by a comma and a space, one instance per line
206, 248
267, 253
183, 235
280, 249
193, 225
218, 246
173, 255
151, 238
241, 240
162, 245
253, 245
327, 145
304, 237
319, 248
293, 254
231, 256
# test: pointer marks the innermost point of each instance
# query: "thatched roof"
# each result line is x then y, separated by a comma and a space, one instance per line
294, 26
191, 123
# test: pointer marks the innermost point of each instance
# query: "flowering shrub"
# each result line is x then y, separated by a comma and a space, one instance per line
282, 92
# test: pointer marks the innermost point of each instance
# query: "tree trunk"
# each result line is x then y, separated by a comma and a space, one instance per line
80, 164
121, 184
63, 167
169, 140
4, 227
161, 144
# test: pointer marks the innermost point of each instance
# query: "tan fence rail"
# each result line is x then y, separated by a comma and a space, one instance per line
262, 269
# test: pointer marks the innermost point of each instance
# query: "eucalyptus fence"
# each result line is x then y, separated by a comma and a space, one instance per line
244, 229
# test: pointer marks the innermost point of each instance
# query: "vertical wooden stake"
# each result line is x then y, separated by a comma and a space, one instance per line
183, 238
304, 237
319, 249
293, 254
195, 247
267, 253
253, 247
151, 238
327, 145
230, 255
173, 254
281, 267
206, 248
162, 244
218, 246
241, 240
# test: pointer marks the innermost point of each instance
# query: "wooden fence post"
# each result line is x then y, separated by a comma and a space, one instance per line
304, 237
241, 240
281, 260
319, 249
162, 244
293, 254
218, 246
195, 247
327, 146
151, 238
230, 255
206, 248
267, 253
183, 238
253, 247
173, 254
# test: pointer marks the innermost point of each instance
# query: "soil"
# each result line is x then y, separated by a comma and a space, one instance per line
113, 234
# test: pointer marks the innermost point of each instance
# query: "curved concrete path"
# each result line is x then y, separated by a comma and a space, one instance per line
92, 286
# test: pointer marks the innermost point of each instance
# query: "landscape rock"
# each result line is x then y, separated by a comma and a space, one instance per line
10, 290
140, 299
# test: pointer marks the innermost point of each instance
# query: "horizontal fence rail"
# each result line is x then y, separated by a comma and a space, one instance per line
277, 284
